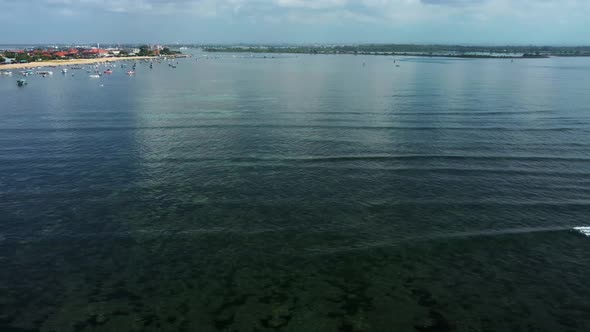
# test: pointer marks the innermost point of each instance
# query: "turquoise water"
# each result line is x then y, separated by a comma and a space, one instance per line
309, 193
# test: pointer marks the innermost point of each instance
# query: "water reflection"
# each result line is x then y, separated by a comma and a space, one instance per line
309, 193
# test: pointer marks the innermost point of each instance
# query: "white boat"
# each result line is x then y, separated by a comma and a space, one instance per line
94, 76
6, 73
65, 70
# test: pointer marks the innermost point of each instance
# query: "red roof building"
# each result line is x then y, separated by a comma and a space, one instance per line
95, 51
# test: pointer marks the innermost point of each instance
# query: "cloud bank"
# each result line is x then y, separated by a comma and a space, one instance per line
485, 17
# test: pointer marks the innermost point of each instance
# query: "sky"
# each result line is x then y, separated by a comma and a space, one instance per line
484, 22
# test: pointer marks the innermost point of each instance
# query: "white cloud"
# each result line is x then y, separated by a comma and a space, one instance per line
328, 11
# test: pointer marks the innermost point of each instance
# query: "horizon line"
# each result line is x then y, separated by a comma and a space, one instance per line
302, 44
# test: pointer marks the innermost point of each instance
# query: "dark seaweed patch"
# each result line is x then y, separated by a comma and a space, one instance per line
424, 297
438, 324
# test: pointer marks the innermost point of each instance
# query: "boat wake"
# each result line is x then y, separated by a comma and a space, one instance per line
445, 236
167, 233
584, 230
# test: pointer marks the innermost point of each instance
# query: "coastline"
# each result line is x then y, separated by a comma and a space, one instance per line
407, 54
50, 63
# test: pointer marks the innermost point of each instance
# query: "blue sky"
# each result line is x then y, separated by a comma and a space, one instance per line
556, 22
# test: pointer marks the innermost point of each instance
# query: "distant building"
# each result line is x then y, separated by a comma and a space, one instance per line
95, 52
131, 51
72, 52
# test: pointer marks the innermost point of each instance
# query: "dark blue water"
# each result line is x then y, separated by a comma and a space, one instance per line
306, 193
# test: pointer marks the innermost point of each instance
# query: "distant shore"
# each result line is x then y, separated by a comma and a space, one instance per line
449, 51
426, 55
51, 63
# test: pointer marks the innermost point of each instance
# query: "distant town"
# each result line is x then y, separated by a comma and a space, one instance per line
39, 54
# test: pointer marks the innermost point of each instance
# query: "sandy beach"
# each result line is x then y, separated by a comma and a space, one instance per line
69, 62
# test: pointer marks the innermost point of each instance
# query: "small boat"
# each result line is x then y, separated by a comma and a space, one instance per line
123, 66
21, 82
131, 72
108, 71
6, 73
65, 70
94, 76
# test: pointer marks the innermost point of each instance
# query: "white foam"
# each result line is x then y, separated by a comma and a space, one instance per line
584, 230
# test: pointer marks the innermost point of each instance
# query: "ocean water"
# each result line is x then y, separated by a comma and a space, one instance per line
300, 193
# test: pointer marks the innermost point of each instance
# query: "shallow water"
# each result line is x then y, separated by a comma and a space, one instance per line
306, 193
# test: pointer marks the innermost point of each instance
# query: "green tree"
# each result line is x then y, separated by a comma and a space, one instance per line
168, 51
22, 56
144, 50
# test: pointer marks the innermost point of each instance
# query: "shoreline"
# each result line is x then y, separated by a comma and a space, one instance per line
55, 63
404, 54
